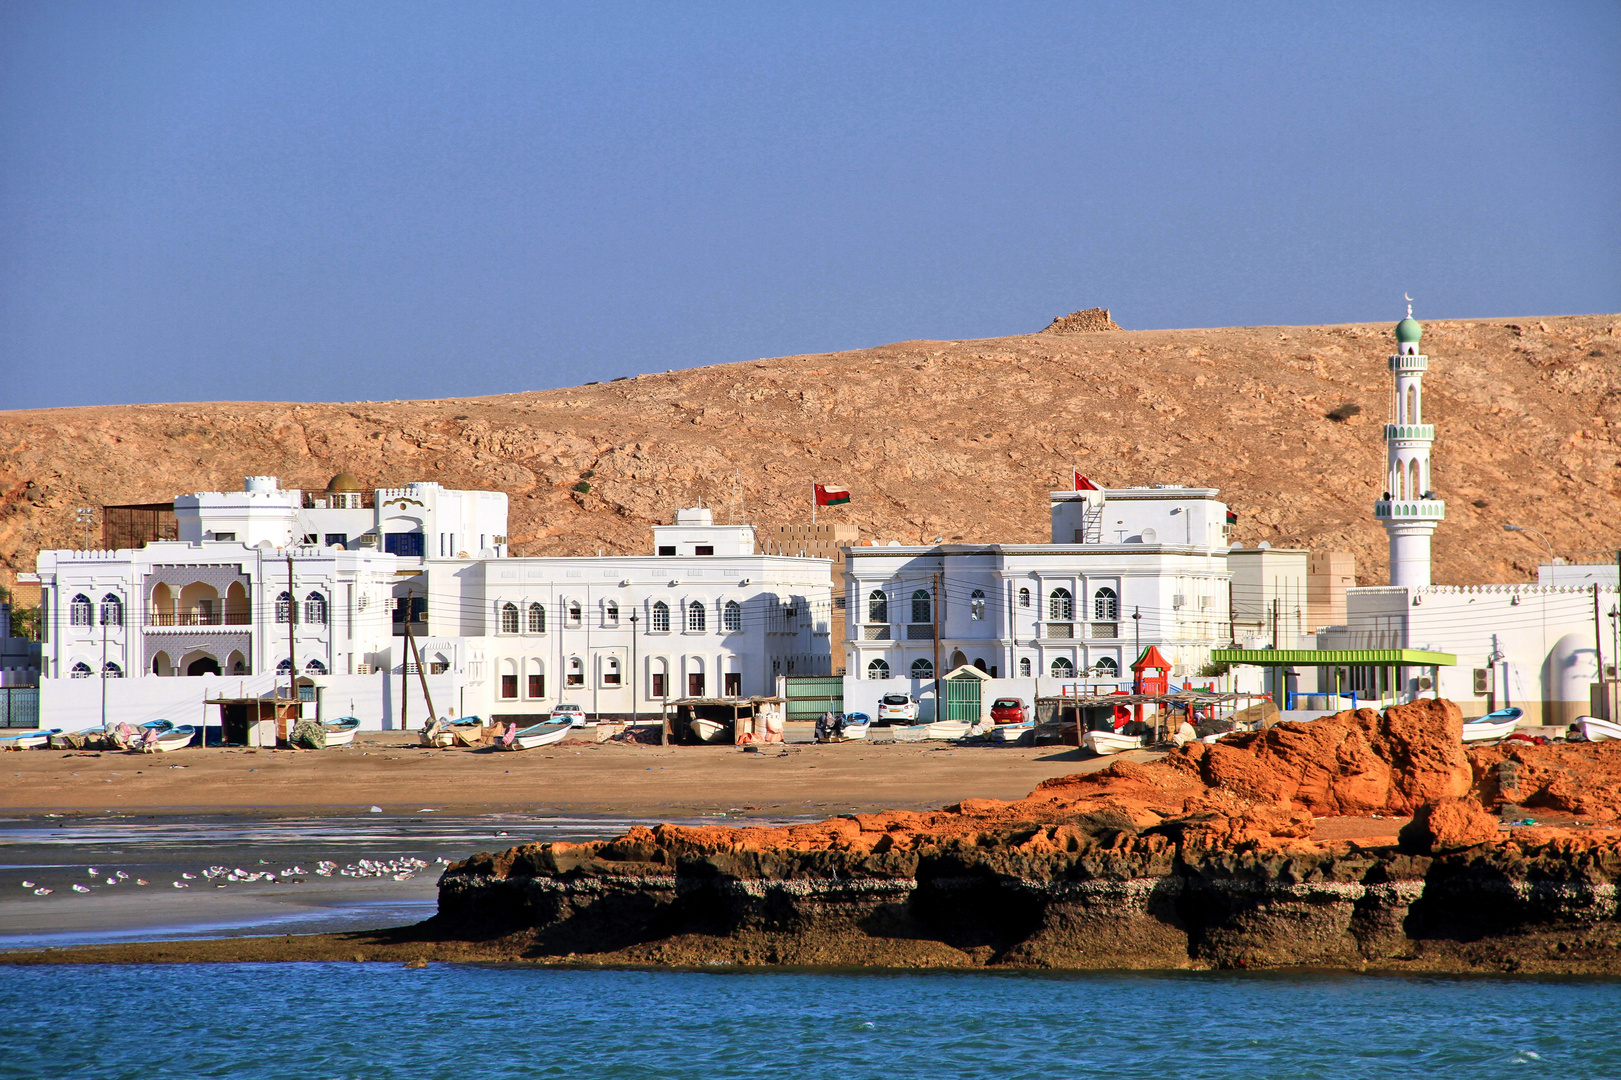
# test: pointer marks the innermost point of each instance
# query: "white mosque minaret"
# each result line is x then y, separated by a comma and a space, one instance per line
1410, 510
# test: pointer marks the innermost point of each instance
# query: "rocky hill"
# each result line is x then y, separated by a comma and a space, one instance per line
956, 439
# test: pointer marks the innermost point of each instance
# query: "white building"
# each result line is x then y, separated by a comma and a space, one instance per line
1127, 568
620, 635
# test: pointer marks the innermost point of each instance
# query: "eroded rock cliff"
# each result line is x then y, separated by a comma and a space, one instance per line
1205, 858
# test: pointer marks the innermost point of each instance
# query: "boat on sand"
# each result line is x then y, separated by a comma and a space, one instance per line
1010, 733
1109, 742
1494, 725
708, 731
1595, 730
172, 738
544, 733
341, 732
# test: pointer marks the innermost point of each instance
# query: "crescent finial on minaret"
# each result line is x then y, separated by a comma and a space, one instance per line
1409, 300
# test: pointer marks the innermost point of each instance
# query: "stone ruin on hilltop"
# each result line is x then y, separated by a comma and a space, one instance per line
1089, 321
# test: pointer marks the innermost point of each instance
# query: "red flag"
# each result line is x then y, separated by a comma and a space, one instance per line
831, 496
1083, 484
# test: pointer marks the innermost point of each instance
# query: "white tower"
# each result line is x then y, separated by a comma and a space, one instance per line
1409, 510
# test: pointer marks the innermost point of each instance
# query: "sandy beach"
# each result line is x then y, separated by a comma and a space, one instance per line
389, 770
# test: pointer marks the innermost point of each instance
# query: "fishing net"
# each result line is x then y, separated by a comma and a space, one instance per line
308, 734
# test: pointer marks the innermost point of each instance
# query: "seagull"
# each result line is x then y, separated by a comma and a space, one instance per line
181, 885
28, 884
189, 877
43, 892
120, 875
112, 881
93, 872
80, 889
142, 881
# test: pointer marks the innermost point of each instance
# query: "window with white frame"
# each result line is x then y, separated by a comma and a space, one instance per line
921, 607
922, 669
695, 616
1024, 597
1062, 668
284, 608
1024, 667
610, 671
509, 618
878, 669
1060, 605
1106, 667
610, 613
660, 622
112, 610
537, 619
1105, 605
731, 616
315, 609
81, 670
574, 613
110, 670
877, 608
976, 605
576, 672
80, 611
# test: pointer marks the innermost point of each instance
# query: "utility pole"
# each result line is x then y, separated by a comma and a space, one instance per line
104, 666
422, 673
1137, 621
1598, 652
633, 711
405, 666
1274, 622
934, 609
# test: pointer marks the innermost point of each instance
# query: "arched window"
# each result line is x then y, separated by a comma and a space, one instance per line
576, 672
112, 610
1107, 668
610, 671
284, 608
976, 605
315, 667
1060, 605
1024, 597
1105, 605
110, 670
1414, 488
1412, 405
537, 619
1024, 667
920, 606
661, 618
1062, 668
315, 609
878, 669
284, 667
574, 613
509, 618
695, 616
731, 616
79, 611
922, 669
81, 670
610, 613
878, 608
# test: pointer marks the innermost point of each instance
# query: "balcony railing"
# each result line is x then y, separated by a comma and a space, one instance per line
875, 633
1060, 630
1103, 630
197, 618
919, 631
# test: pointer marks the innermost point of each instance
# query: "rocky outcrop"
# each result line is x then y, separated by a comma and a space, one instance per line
1204, 859
1090, 321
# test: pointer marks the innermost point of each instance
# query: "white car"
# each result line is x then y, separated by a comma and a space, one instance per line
897, 709
572, 713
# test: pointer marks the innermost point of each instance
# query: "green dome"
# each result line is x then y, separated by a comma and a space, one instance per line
1408, 331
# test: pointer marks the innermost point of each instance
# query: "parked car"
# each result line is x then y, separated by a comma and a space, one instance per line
897, 709
1009, 710
572, 713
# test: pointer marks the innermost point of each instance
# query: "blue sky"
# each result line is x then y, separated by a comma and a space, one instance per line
338, 201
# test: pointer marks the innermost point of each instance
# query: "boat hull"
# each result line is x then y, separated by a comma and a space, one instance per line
342, 737
1481, 731
1107, 742
169, 741
539, 735
707, 731
1595, 730
1012, 732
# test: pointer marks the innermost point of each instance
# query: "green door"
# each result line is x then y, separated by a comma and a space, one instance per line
962, 698
809, 696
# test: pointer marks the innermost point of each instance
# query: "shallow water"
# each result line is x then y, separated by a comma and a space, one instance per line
383, 1021
57, 854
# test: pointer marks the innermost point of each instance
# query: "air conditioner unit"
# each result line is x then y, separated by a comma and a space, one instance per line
1483, 682
1179, 600
1609, 671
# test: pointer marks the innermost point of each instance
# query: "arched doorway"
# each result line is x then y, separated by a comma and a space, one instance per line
203, 665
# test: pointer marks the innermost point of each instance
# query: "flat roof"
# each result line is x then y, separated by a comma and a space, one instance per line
1335, 657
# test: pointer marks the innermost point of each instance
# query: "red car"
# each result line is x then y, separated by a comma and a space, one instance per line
1009, 710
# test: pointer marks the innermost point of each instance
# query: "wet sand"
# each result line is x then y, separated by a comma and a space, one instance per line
613, 779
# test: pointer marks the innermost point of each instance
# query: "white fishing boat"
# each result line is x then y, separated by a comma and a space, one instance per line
938, 731
1595, 730
1010, 733
166, 740
28, 740
544, 733
1494, 725
856, 726
1109, 742
341, 732
709, 731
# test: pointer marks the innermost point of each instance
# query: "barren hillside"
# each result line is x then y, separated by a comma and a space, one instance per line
960, 439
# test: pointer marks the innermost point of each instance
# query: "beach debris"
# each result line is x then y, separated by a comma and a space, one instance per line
79, 888
42, 891
220, 884
142, 881
377, 809
28, 884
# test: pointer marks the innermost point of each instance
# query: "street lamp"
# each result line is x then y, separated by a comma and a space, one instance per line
634, 717
1533, 532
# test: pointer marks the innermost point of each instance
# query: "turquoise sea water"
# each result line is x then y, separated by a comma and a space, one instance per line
341, 1021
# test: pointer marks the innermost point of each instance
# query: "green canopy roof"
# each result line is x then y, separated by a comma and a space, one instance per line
1334, 657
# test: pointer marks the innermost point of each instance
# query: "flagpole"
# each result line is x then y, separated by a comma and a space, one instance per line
813, 503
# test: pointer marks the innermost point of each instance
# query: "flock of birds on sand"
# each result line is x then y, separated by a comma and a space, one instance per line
402, 869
